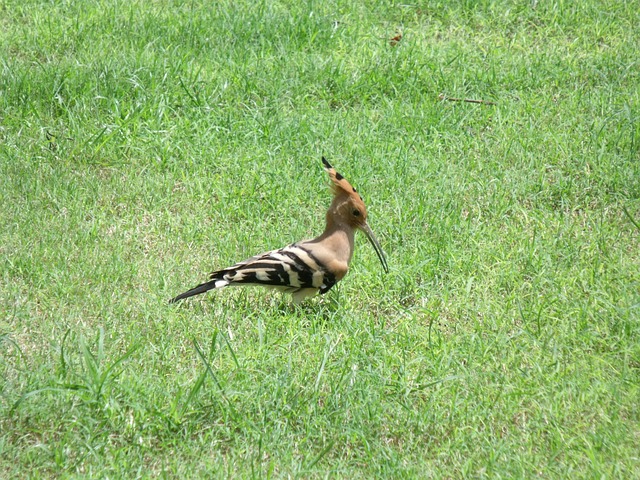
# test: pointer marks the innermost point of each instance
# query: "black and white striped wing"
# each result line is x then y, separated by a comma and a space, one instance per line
291, 269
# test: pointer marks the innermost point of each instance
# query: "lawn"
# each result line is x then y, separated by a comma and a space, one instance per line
145, 144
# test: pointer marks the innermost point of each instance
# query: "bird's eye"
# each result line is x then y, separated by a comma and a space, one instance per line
356, 212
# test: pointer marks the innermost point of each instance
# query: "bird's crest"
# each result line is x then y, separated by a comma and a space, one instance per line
340, 184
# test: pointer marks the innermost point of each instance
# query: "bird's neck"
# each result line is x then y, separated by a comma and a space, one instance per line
339, 238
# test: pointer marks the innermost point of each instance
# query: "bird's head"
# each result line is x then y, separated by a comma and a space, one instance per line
349, 208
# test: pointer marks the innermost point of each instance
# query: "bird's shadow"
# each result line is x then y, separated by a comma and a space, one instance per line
320, 307
323, 308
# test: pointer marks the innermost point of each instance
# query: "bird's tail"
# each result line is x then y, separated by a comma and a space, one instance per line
217, 282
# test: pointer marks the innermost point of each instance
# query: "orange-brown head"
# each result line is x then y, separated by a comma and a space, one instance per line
348, 207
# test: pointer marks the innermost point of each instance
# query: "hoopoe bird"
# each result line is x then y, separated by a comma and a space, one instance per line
310, 266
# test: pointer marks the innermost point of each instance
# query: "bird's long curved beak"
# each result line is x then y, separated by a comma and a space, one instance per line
374, 241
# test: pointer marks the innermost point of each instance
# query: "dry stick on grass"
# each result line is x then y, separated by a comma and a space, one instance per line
442, 96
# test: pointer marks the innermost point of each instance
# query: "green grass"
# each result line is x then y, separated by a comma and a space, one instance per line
143, 144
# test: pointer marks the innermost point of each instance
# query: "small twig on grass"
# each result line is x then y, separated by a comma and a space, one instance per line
442, 96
